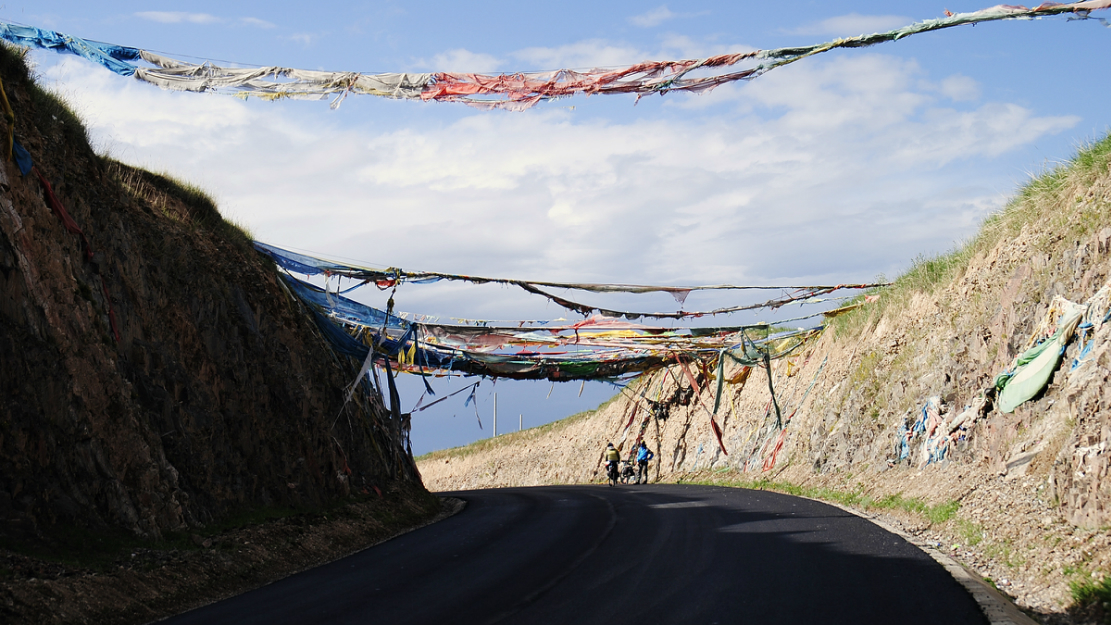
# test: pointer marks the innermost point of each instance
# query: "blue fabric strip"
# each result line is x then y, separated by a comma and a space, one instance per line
22, 158
108, 55
343, 307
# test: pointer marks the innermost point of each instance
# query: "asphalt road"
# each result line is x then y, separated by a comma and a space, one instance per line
629, 554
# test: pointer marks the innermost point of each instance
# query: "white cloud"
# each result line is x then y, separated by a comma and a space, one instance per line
659, 15
178, 17
564, 213
581, 55
832, 170
462, 60
652, 17
585, 54
600, 53
182, 17
853, 24
945, 135
960, 88
674, 46
305, 39
258, 23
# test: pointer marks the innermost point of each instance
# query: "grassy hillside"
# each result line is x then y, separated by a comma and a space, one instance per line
1036, 206
162, 399
1022, 497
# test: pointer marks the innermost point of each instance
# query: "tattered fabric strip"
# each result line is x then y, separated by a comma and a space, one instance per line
364, 333
309, 265
263, 82
515, 91
520, 91
269, 83
591, 333
314, 265
803, 294
110, 56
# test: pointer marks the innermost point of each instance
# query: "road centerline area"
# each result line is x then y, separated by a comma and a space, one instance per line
594, 554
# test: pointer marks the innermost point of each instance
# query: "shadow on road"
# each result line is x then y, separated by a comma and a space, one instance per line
594, 554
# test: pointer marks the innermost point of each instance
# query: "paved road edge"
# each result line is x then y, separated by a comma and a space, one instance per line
996, 607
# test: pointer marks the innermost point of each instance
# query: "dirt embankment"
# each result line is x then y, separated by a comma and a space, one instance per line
1021, 497
141, 581
156, 380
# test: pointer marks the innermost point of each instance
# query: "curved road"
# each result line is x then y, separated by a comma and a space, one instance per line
635, 554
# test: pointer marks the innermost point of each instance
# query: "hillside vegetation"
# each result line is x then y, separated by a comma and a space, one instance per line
1021, 497
158, 386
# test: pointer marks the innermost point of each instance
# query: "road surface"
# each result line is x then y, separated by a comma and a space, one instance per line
656, 554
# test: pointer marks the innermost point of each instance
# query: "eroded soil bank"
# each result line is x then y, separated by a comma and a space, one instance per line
157, 382
117, 579
894, 407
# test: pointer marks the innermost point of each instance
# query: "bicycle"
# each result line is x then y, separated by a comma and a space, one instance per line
612, 472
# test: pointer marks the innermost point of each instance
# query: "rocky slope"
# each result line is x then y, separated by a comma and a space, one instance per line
1021, 497
154, 374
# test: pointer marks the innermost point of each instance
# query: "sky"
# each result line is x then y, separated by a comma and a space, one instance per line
839, 168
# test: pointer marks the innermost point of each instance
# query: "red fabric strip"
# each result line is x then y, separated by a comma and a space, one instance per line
713, 423
69, 224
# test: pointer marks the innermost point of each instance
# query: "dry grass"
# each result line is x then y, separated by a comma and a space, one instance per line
1058, 202
179, 201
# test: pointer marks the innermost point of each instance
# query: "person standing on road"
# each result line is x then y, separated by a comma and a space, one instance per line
643, 458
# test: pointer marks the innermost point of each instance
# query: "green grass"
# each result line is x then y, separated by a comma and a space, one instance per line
180, 201
1054, 202
1002, 551
1091, 593
936, 514
1030, 203
61, 129
942, 512
48, 112
971, 533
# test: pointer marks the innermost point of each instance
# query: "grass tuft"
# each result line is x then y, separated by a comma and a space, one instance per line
47, 112
936, 514
1057, 201
942, 512
971, 533
180, 201
1091, 595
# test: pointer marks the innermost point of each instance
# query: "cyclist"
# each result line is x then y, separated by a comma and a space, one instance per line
612, 456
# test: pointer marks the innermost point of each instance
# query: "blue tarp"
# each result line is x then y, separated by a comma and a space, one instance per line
300, 263
310, 266
344, 308
105, 54
340, 340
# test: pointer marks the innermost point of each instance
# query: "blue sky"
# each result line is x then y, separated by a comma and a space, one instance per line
837, 168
